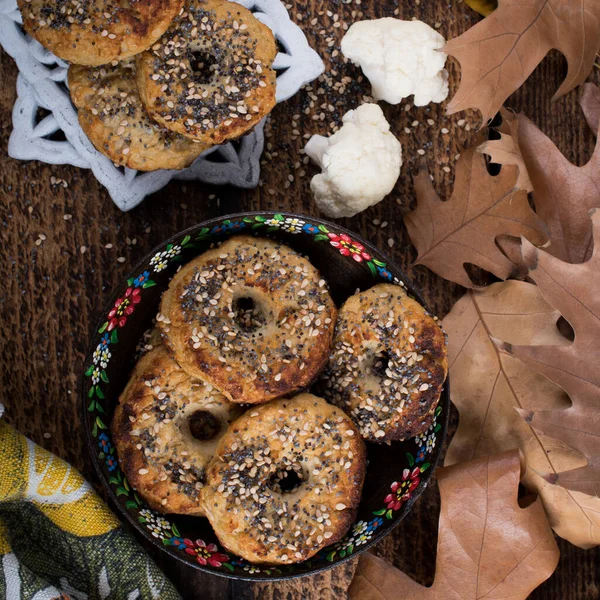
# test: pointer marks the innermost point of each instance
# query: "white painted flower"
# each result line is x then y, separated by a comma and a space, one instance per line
101, 355
363, 538
157, 525
95, 376
97, 354
173, 251
359, 528
293, 225
361, 533
147, 514
422, 437
344, 544
159, 261
251, 569
273, 223
105, 357
430, 442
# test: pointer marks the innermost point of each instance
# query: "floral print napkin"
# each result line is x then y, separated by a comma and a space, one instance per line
57, 537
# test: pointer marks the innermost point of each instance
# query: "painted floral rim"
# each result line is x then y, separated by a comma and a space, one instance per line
208, 555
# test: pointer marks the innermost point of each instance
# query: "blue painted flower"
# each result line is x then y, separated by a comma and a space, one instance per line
105, 340
228, 226
310, 228
141, 279
104, 443
376, 523
111, 463
238, 562
178, 542
322, 554
421, 454
384, 273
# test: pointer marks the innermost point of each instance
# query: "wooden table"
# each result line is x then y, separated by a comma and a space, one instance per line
51, 294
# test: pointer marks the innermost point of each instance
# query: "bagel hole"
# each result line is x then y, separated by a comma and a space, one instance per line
287, 481
247, 313
381, 362
204, 426
202, 64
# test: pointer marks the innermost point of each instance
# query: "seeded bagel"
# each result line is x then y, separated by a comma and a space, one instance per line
210, 77
112, 116
165, 429
285, 480
251, 317
97, 32
388, 364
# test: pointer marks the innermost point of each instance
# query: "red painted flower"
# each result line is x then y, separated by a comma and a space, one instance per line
348, 247
402, 490
124, 306
206, 554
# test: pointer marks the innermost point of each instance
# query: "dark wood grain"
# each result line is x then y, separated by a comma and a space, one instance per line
52, 294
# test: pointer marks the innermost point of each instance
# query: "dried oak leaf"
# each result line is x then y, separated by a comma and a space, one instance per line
505, 151
499, 53
590, 104
489, 386
574, 290
563, 193
488, 545
464, 229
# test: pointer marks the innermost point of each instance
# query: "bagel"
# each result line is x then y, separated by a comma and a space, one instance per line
255, 508
165, 429
251, 317
112, 116
97, 32
210, 77
388, 364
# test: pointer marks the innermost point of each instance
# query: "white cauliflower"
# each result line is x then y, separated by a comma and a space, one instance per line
399, 58
361, 163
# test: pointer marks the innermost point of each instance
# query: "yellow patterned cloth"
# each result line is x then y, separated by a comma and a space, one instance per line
57, 537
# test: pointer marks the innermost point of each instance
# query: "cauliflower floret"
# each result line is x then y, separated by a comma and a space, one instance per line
399, 58
361, 163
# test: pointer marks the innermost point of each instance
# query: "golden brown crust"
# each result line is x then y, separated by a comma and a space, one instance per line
249, 513
388, 364
210, 77
151, 432
112, 116
97, 32
287, 344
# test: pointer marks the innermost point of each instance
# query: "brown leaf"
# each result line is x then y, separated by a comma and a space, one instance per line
574, 290
483, 7
506, 152
511, 247
562, 192
464, 229
488, 387
499, 53
590, 104
488, 546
